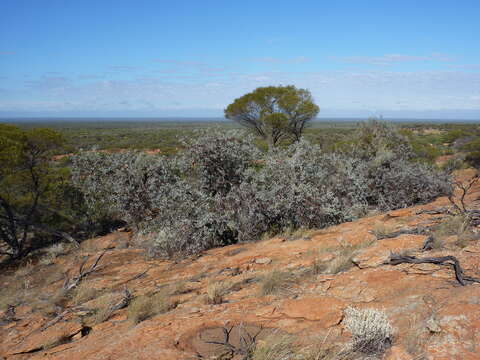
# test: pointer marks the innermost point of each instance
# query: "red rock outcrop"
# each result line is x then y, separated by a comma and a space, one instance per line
433, 315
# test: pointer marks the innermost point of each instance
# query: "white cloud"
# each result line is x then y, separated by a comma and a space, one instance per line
275, 60
347, 90
390, 59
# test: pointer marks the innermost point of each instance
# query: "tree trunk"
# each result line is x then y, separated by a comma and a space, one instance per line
270, 142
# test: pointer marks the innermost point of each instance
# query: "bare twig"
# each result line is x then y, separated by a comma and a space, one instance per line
246, 344
55, 320
72, 283
464, 188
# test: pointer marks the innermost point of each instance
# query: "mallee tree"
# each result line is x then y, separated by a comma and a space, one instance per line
30, 187
274, 112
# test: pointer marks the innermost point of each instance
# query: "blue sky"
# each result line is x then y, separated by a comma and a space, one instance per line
192, 58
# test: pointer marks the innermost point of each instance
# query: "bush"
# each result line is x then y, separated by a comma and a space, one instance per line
375, 139
398, 184
130, 186
217, 161
222, 190
395, 177
190, 223
371, 331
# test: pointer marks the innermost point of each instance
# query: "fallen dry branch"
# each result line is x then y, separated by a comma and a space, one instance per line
246, 344
437, 211
396, 259
82, 273
394, 234
55, 320
428, 243
124, 301
9, 315
474, 216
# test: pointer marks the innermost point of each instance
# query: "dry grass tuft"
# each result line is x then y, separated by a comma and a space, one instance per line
298, 234
58, 249
60, 297
216, 290
8, 298
25, 270
47, 260
146, 306
381, 230
275, 282
458, 225
343, 260
275, 347
178, 287
287, 347
318, 267
84, 292
104, 310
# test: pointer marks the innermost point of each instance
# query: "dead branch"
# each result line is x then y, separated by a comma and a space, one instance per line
246, 341
415, 231
123, 303
428, 243
437, 211
464, 188
396, 259
55, 320
82, 273
138, 276
9, 315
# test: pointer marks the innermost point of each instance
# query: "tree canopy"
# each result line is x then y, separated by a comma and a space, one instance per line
274, 112
29, 184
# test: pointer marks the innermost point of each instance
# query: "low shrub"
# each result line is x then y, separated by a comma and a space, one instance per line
370, 329
222, 190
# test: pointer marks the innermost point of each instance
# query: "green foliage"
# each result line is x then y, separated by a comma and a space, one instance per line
454, 134
473, 152
378, 139
29, 185
274, 112
425, 149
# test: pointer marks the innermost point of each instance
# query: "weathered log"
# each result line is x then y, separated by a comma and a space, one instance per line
415, 231
437, 211
396, 259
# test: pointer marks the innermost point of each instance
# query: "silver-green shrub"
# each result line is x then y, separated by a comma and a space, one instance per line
307, 188
371, 331
130, 185
217, 161
222, 190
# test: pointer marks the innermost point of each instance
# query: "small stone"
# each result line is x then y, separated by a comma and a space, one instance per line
433, 326
263, 261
